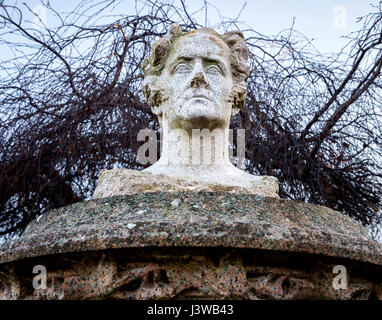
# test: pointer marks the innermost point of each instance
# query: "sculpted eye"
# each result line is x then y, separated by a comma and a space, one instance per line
182, 68
213, 69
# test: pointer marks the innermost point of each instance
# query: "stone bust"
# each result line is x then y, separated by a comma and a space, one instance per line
195, 83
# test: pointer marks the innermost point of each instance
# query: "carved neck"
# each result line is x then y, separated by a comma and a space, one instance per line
194, 149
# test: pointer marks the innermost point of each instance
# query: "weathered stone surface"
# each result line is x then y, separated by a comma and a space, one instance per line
125, 181
189, 273
192, 245
201, 219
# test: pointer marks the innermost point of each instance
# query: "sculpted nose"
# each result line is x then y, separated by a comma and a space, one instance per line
199, 80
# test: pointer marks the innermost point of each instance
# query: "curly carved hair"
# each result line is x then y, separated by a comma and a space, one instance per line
153, 65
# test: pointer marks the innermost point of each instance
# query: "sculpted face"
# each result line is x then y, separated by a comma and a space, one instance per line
197, 80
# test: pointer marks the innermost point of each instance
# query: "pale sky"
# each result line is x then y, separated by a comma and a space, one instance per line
323, 20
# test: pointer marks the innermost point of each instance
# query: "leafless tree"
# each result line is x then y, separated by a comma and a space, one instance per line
71, 104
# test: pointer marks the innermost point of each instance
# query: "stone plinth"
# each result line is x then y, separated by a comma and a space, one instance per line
187, 245
117, 182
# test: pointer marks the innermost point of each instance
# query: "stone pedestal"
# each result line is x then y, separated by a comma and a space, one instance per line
192, 245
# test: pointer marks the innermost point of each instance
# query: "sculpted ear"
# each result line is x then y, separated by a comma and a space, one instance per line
239, 93
153, 92
240, 71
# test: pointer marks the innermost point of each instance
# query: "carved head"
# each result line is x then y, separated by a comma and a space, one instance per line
197, 78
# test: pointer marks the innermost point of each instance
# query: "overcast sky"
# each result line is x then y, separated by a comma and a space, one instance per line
323, 20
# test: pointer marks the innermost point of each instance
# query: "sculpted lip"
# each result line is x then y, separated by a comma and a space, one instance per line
200, 97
